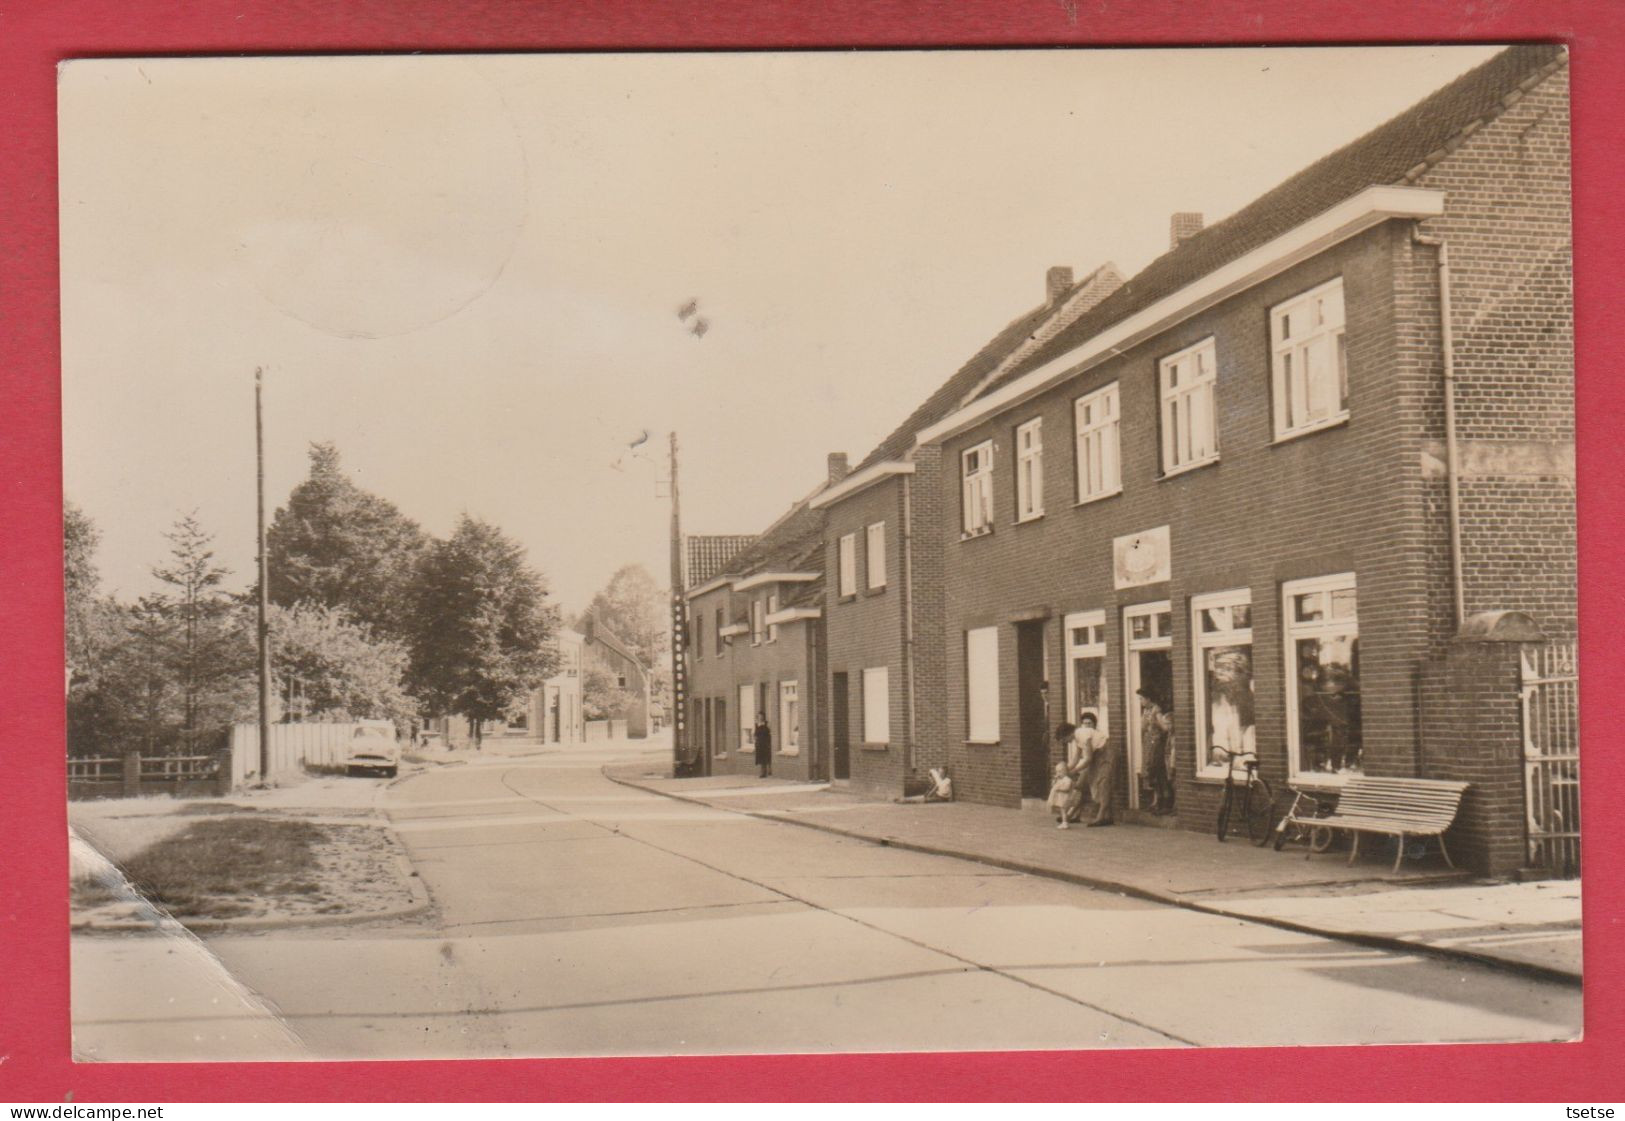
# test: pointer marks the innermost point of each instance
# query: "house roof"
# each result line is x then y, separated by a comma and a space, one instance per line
597, 632
709, 554
795, 543
1393, 153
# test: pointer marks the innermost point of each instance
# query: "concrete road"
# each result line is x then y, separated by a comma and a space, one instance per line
579, 917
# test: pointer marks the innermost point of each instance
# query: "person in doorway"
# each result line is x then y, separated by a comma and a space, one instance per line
1086, 762
1157, 743
764, 745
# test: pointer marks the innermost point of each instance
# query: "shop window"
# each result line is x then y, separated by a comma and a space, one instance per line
874, 555
1222, 642
976, 492
789, 718
1322, 678
1099, 468
1310, 358
1189, 431
876, 705
1086, 667
1030, 470
982, 684
848, 565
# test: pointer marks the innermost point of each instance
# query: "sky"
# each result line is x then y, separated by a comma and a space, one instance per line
465, 271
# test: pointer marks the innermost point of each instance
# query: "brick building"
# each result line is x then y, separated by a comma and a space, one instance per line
1305, 483
1228, 484
755, 644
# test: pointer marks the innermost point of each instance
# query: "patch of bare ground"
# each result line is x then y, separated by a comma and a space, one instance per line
256, 866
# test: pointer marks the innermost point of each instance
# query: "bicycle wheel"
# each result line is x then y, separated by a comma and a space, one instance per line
1224, 810
1320, 838
1260, 811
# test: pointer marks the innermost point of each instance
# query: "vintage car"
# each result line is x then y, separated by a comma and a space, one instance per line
373, 747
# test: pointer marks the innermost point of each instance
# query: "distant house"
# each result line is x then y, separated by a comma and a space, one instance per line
553, 714
610, 651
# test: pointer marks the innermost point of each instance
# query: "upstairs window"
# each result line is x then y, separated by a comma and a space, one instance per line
1030, 470
773, 609
1099, 470
1189, 436
874, 555
976, 495
848, 565
1310, 359
719, 646
757, 627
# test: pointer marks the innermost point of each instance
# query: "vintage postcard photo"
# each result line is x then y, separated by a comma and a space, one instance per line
750, 553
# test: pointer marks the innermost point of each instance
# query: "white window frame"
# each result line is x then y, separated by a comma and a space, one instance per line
719, 647
772, 610
1295, 385
982, 685
1190, 425
876, 706
1290, 633
1201, 642
976, 490
1159, 636
758, 628
1099, 440
847, 565
1030, 470
874, 555
1094, 647
747, 718
789, 718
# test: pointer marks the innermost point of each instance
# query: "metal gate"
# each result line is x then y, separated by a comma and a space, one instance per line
1551, 756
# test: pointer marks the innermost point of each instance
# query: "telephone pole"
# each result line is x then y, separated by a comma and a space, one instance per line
265, 593
682, 762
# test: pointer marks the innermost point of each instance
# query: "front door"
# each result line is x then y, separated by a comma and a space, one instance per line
1148, 639
1032, 696
840, 728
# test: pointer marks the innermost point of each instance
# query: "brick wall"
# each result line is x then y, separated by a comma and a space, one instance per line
1472, 732
1346, 499
866, 630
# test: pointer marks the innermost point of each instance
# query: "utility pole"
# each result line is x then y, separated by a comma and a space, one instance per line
681, 762
265, 592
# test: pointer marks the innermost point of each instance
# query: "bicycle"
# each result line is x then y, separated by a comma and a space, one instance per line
1297, 824
1257, 802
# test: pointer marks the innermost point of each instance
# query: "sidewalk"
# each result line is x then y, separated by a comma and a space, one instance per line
1530, 927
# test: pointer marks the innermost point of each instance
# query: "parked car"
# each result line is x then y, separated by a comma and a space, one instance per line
374, 748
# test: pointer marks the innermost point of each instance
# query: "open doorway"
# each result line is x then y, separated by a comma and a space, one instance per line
1148, 642
1032, 694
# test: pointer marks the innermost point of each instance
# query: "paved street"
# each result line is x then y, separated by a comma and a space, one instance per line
577, 916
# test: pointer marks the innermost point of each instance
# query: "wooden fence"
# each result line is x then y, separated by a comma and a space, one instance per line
293, 747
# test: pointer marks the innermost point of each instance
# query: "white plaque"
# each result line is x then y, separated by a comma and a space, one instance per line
1141, 558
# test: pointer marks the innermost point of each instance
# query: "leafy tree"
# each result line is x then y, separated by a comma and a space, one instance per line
337, 545
482, 630
601, 693
80, 538
336, 669
636, 609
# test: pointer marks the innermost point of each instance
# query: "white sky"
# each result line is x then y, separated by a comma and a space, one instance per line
465, 271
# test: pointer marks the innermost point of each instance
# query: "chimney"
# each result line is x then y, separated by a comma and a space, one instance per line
1182, 225
1057, 282
837, 467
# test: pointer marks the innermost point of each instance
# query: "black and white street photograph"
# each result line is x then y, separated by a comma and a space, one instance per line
819, 552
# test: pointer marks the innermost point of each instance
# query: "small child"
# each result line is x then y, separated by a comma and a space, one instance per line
1060, 790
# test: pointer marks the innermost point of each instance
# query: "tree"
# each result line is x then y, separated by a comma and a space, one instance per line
80, 578
483, 630
636, 609
337, 545
196, 631
337, 669
601, 693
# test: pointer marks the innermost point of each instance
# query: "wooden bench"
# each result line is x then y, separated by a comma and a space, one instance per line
1398, 807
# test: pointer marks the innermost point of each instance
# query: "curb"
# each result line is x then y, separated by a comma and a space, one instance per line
1136, 891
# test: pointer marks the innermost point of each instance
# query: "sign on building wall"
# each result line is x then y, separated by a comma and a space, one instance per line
1141, 558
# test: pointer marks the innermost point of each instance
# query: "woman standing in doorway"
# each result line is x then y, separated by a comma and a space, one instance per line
764, 745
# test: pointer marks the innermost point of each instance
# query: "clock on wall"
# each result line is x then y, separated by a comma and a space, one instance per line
1141, 558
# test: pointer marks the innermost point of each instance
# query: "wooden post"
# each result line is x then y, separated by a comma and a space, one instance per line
264, 627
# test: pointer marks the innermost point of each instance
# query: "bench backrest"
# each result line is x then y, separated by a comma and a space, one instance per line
1428, 802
